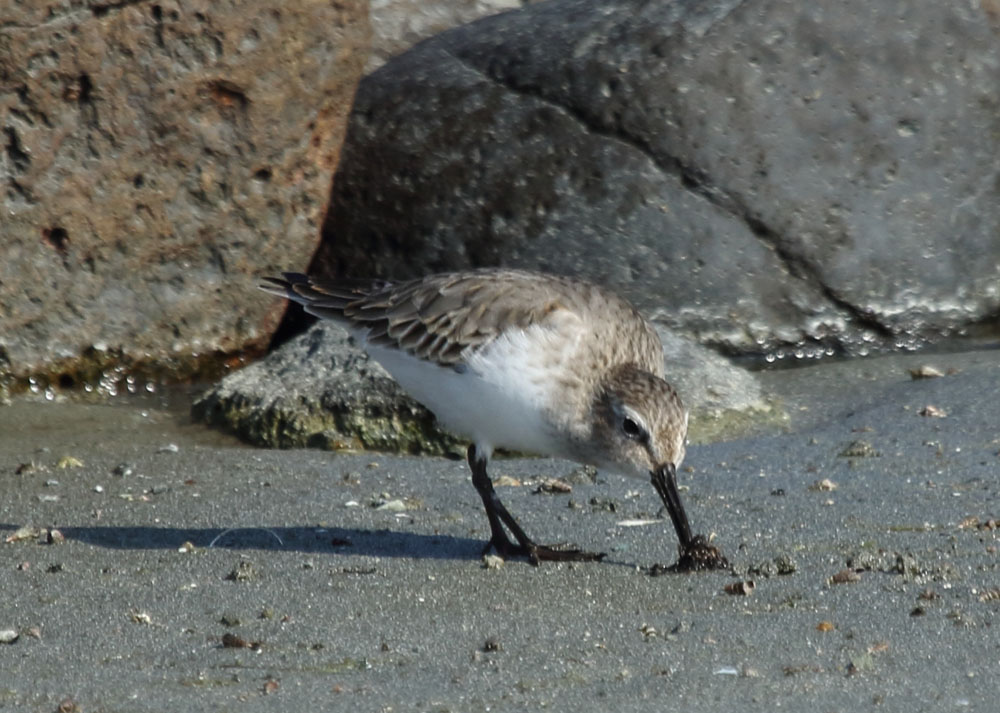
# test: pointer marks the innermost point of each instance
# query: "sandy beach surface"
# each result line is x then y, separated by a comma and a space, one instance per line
151, 564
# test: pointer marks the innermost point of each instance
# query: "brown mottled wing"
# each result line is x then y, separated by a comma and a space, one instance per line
435, 318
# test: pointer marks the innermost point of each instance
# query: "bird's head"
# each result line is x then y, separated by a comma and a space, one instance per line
640, 423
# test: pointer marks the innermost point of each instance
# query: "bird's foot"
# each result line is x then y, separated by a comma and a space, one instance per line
542, 553
562, 553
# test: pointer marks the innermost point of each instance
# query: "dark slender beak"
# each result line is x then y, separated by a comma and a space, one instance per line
664, 480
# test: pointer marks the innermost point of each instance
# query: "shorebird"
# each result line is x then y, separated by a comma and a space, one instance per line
529, 362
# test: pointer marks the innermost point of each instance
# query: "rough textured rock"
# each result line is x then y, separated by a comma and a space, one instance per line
156, 156
760, 175
397, 25
320, 390
725, 400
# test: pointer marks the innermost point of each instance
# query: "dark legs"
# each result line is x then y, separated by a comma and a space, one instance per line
499, 516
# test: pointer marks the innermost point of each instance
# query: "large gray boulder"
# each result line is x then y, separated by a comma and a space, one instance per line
157, 156
760, 175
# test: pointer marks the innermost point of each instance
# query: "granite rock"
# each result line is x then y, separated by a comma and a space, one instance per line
397, 25
156, 157
765, 176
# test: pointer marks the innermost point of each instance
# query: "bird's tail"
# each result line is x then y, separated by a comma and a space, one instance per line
323, 298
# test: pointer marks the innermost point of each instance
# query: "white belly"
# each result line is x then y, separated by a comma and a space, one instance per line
507, 396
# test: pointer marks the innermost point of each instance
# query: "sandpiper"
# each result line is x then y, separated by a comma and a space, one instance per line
529, 362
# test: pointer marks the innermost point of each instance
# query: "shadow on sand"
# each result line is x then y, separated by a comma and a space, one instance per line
334, 540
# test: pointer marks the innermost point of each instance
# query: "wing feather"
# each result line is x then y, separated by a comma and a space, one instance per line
440, 317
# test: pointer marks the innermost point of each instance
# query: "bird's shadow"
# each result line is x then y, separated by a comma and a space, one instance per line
343, 541
332, 540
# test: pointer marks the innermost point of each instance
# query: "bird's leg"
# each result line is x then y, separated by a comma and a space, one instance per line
499, 516
491, 501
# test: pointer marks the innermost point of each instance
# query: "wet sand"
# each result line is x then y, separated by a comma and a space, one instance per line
201, 574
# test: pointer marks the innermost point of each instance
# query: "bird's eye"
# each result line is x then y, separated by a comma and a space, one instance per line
632, 429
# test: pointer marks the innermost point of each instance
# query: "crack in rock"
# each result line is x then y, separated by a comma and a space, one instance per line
698, 182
